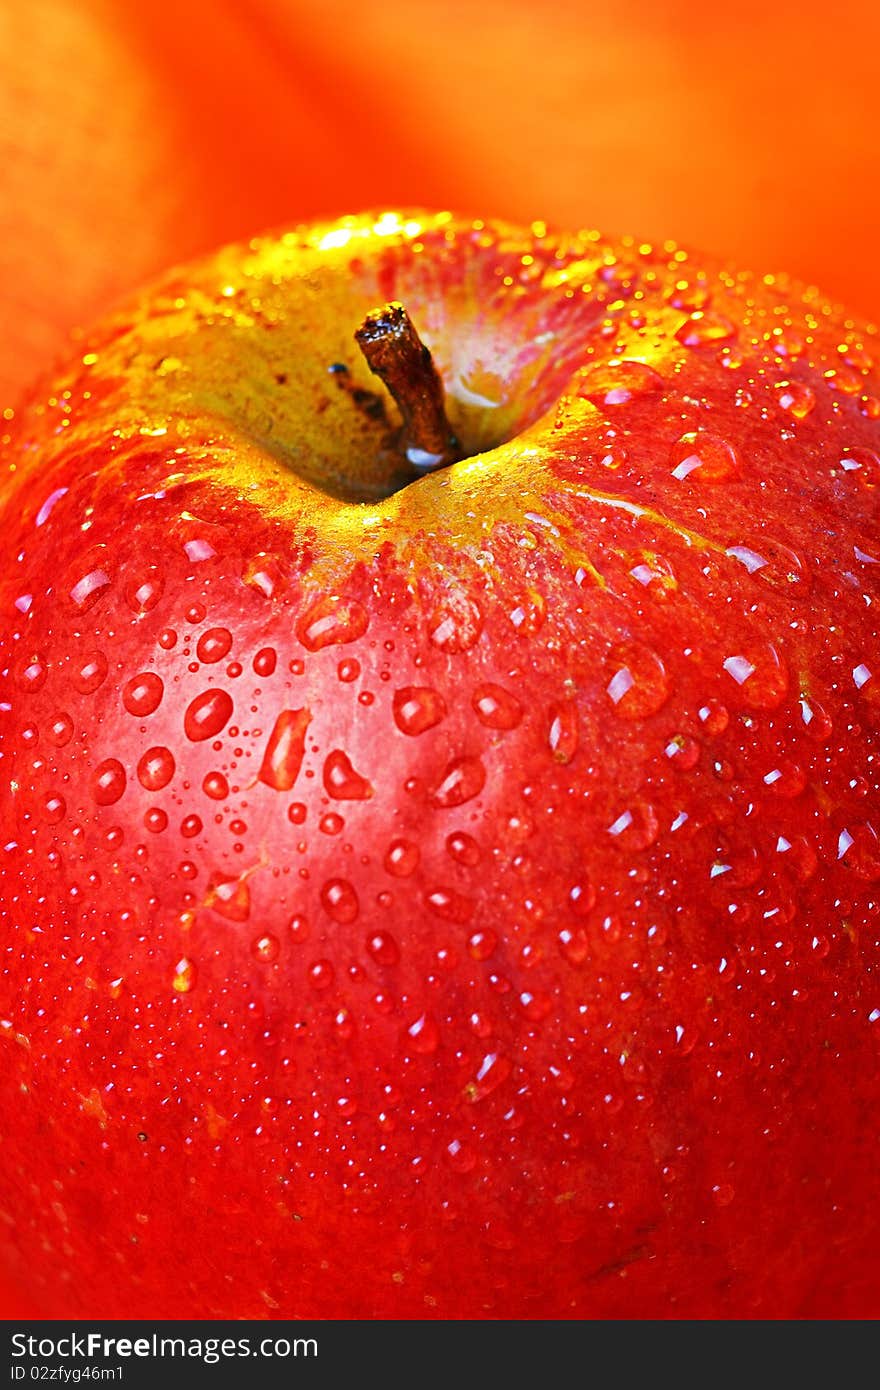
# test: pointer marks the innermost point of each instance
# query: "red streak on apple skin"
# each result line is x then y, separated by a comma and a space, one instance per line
568, 1008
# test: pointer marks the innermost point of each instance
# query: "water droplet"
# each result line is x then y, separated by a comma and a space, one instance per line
207, 715
331, 824
493, 1071
108, 782
332, 621
60, 731
215, 786
213, 645
535, 1004
298, 928
683, 751
190, 826
528, 615
402, 858
185, 974
155, 820
636, 828
456, 623
795, 398
340, 901
863, 465
383, 948
496, 707
229, 897
861, 851
463, 779
54, 808
463, 848
705, 328
142, 695
341, 781
321, 974
423, 1035
156, 769
653, 572
167, 639
461, 1157
564, 732
574, 945
787, 779
30, 673
637, 684
348, 670
703, 457
91, 674
266, 948
285, 750
816, 720
297, 812
618, 382
714, 717
482, 944
144, 589
761, 673
265, 574
265, 661
417, 708
88, 579
450, 906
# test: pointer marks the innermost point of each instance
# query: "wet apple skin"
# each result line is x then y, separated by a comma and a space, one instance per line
460, 903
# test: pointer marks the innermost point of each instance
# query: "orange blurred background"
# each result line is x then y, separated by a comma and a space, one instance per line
136, 134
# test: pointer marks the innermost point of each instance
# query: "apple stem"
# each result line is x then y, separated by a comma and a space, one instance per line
396, 354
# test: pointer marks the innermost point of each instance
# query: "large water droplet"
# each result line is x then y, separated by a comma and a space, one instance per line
185, 974
142, 695
342, 781
332, 621
229, 897
761, 673
463, 848
449, 905
265, 661
456, 622
108, 782
383, 948
207, 715
144, 589
213, 645
417, 708
30, 674
564, 732
215, 786
463, 779
91, 674
496, 707
156, 769
618, 382
796, 399
285, 750
705, 329
60, 731
637, 683
402, 858
340, 901
423, 1035
703, 457
493, 1071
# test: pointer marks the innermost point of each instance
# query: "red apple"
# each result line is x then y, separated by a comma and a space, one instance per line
452, 897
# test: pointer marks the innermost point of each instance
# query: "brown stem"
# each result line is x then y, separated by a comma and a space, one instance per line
396, 354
